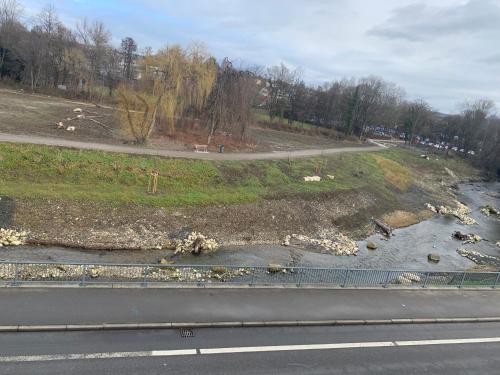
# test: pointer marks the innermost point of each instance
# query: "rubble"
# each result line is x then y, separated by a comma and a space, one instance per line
10, 237
336, 243
461, 212
194, 243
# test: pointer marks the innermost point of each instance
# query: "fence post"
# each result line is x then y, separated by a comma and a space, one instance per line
253, 276
16, 275
344, 283
387, 279
84, 274
496, 280
462, 281
144, 276
298, 272
426, 278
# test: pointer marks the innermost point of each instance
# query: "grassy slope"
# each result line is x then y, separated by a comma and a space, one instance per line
31, 171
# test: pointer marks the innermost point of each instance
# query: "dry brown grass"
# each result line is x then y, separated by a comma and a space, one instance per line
398, 176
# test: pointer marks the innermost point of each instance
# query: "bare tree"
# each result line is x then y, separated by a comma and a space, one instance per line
10, 28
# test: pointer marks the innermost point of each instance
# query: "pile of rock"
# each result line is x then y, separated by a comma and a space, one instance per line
337, 243
407, 278
194, 243
35, 272
489, 210
478, 258
467, 238
10, 237
461, 212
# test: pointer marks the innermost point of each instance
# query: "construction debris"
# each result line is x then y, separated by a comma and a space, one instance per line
195, 243
337, 243
312, 178
10, 237
461, 212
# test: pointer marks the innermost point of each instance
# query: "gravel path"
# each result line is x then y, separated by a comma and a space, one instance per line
181, 154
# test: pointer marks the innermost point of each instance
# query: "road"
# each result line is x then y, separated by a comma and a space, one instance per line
38, 306
451, 349
182, 154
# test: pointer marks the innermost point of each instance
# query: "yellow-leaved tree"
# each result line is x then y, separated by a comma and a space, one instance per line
171, 81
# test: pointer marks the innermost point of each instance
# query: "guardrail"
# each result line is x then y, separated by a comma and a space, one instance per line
25, 273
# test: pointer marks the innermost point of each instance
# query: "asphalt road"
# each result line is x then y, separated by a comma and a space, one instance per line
104, 305
411, 349
11, 138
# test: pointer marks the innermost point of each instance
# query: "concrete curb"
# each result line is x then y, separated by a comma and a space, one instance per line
291, 323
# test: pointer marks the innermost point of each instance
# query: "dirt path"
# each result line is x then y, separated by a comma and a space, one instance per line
181, 154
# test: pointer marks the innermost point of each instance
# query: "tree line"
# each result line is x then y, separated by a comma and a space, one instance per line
158, 89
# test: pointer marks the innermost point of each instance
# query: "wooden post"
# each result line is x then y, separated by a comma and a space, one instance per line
153, 182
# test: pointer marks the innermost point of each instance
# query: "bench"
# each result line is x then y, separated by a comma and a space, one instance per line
201, 148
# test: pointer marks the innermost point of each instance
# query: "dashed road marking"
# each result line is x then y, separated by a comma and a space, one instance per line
244, 349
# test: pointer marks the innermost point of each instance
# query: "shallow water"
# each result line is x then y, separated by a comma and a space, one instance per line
407, 249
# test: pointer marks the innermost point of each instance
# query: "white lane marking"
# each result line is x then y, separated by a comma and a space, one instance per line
64, 357
447, 341
278, 348
243, 349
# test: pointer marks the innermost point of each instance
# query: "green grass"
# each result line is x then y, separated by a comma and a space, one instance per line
32, 171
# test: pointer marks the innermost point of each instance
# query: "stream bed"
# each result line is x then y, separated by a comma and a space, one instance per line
407, 249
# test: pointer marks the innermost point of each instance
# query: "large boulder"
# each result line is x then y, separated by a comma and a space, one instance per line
434, 258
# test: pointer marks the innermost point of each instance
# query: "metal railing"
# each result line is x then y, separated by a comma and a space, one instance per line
22, 273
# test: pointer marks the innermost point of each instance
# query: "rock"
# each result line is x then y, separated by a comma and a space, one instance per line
71, 128
77, 110
286, 240
219, 270
460, 236
372, 245
93, 273
274, 268
434, 258
166, 261
330, 176
498, 243
312, 178
10, 237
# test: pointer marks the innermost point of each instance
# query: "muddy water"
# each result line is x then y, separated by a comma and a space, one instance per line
407, 249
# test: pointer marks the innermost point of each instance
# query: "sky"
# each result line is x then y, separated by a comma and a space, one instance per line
443, 51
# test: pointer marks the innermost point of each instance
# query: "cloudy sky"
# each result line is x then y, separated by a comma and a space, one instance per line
443, 51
